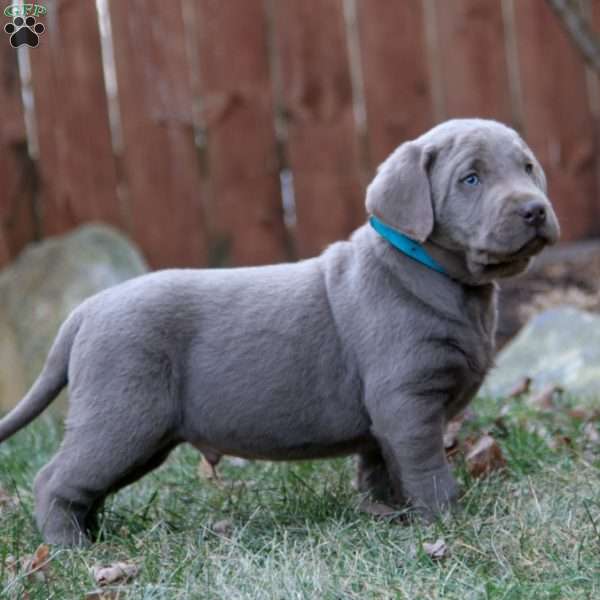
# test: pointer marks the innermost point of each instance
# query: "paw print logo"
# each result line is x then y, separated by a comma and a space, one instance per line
24, 31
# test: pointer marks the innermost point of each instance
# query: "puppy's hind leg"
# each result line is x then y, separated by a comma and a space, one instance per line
101, 453
70, 489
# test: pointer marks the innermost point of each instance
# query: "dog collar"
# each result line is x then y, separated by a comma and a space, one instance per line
407, 246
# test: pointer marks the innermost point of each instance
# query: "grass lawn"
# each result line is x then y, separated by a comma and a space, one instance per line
295, 531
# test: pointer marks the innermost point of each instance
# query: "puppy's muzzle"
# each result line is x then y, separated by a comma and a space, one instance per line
533, 213
538, 217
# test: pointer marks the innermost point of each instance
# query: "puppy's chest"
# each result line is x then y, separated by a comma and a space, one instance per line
466, 380
468, 358
474, 352
451, 353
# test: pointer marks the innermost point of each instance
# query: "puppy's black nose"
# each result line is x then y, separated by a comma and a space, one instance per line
533, 212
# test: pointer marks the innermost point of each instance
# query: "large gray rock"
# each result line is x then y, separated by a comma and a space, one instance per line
39, 290
559, 346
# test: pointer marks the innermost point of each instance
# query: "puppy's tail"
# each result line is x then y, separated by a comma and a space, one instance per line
51, 381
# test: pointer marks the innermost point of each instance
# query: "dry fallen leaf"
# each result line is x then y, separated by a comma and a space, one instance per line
544, 400
377, 509
520, 388
437, 550
37, 566
208, 470
452, 444
451, 434
583, 413
560, 441
580, 412
485, 456
223, 527
115, 572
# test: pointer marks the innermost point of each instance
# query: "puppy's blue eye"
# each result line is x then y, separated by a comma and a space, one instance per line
472, 179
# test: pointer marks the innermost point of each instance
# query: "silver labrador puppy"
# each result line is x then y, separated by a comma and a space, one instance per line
369, 348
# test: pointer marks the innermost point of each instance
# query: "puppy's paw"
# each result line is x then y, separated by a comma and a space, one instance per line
434, 494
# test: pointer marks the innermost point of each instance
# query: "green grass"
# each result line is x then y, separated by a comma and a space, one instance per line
530, 532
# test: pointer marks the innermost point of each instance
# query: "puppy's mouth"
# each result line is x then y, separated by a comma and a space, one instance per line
486, 258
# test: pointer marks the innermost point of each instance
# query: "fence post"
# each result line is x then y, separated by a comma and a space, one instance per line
557, 120
322, 144
398, 92
160, 159
17, 174
245, 203
78, 174
472, 52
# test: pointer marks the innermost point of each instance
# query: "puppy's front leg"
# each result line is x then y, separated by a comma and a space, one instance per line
410, 433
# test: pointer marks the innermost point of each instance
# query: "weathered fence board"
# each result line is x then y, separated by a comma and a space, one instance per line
322, 142
160, 161
557, 120
245, 203
395, 71
78, 176
473, 59
17, 174
221, 78
594, 97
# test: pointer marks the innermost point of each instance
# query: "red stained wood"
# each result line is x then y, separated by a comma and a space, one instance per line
78, 175
17, 173
4, 250
473, 59
160, 161
557, 120
245, 203
166, 206
396, 74
594, 20
322, 139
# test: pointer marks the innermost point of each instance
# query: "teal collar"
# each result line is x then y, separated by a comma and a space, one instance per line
407, 246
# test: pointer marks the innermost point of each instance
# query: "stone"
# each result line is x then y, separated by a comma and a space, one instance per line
43, 285
557, 347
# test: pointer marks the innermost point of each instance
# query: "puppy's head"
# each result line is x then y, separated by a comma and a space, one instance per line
473, 191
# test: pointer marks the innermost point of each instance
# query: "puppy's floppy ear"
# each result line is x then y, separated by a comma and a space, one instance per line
400, 194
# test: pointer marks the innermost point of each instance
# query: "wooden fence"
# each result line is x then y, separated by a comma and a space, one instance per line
181, 121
